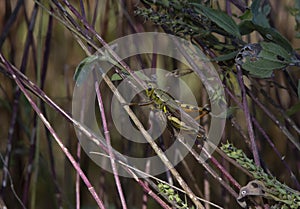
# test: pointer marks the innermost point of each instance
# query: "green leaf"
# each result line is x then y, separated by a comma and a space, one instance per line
261, 68
116, 77
225, 57
263, 58
165, 3
220, 18
84, 68
275, 53
293, 110
260, 13
295, 11
247, 15
246, 27
273, 35
82, 65
259, 22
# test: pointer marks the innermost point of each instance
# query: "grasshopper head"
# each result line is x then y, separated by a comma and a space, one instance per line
150, 89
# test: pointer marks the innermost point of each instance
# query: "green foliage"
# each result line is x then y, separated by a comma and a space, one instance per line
295, 11
116, 77
174, 197
284, 196
199, 20
255, 19
294, 109
260, 11
221, 36
262, 58
84, 68
225, 57
188, 19
219, 18
180, 25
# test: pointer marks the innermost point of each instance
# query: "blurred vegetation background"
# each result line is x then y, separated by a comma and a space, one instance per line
41, 47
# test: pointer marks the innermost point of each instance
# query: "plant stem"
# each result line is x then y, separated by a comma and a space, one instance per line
108, 141
53, 133
247, 115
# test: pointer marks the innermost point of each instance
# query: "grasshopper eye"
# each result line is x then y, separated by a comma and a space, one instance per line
243, 193
150, 87
206, 109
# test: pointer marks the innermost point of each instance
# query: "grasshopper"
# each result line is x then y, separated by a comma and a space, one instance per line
173, 109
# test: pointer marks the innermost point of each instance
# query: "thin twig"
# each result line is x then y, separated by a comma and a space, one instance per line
10, 22
140, 172
259, 128
247, 115
53, 133
239, 4
99, 142
213, 173
154, 146
128, 110
11, 186
108, 142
